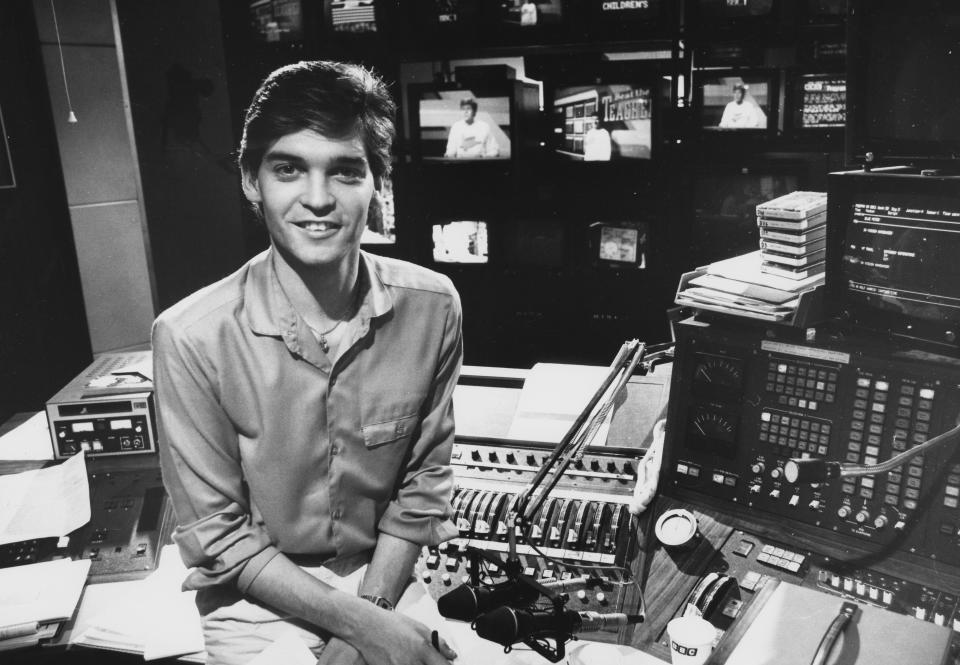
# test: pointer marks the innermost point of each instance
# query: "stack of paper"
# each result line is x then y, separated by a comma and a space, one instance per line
35, 599
740, 287
793, 234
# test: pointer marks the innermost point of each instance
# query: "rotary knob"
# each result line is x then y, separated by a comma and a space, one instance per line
844, 512
880, 522
862, 516
757, 467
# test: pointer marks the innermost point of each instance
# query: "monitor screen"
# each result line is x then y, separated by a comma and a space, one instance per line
892, 254
820, 101
527, 14
621, 244
534, 243
603, 122
381, 220
736, 102
354, 16
734, 9
826, 8
446, 13
278, 21
460, 242
725, 208
463, 125
904, 81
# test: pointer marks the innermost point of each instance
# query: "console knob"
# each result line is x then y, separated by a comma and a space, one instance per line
757, 467
511, 458
862, 516
493, 457
844, 512
776, 473
880, 521
475, 456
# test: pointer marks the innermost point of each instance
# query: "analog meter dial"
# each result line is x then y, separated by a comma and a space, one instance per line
711, 424
715, 375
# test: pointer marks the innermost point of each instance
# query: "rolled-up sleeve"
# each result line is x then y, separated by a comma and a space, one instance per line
421, 512
199, 454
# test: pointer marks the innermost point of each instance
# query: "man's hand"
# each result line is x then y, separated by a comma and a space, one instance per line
399, 640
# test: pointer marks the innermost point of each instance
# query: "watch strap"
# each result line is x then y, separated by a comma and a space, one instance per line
379, 601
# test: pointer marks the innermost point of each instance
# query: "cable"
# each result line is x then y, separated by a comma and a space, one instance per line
71, 117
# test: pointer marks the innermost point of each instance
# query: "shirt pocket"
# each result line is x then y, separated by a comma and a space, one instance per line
380, 434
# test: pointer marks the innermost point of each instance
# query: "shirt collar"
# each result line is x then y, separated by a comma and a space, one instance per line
268, 310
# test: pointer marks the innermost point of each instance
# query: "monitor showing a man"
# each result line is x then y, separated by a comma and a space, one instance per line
742, 112
470, 137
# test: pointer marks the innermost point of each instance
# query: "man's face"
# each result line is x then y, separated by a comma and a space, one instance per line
468, 113
738, 95
315, 193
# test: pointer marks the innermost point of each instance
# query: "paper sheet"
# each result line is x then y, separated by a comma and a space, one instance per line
552, 397
28, 441
152, 615
44, 502
41, 591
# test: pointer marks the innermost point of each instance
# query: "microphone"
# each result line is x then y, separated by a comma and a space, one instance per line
466, 602
812, 470
506, 626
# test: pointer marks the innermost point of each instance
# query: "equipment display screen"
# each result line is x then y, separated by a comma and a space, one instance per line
901, 256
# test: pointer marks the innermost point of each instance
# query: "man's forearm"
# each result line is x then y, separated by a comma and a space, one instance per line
286, 587
391, 567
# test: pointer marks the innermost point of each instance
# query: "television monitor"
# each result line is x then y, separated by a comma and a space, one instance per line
733, 10
535, 243
446, 13
825, 11
460, 241
892, 248
277, 21
903, 77
351, 16
528, 14
620, 245
382, 221
603, 121
725, 199
743, 101
462, 124
819, 102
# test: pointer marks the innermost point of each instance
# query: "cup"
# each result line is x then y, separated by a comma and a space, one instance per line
691, 640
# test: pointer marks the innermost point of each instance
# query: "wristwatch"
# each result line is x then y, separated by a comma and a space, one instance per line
379, 601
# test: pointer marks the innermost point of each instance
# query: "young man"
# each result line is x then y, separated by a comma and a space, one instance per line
469, 137
742, 114
305, 402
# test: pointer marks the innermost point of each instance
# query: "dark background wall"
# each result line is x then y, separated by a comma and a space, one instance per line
43, 330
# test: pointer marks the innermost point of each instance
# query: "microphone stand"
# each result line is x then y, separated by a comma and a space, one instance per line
531, 499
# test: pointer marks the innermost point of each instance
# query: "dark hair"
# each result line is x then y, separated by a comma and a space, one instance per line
335, 99
472, 103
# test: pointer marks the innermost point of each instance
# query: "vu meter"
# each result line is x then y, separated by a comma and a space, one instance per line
713, 429
717, 376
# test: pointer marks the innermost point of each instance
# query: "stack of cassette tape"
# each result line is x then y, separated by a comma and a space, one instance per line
793, 234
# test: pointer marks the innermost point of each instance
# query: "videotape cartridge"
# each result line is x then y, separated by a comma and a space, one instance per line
107, 409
